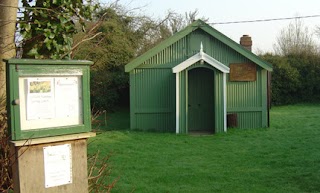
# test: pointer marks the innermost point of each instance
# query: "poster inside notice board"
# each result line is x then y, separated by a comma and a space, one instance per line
50, 101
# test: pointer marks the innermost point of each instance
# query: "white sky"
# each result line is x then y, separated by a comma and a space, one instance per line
263, 34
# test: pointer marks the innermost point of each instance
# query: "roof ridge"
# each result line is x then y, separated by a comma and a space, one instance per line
198, 24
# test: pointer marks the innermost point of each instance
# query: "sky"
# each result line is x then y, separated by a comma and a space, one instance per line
264, 34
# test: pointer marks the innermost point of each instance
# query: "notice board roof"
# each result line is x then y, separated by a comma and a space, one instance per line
49, 62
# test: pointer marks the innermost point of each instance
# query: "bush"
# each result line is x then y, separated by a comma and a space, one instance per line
295, 78
107, 88
309, 69
99, 174
6, 182
285, 81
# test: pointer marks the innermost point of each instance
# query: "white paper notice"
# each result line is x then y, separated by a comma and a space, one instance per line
67, 96
40, 98
57, 165
50, 101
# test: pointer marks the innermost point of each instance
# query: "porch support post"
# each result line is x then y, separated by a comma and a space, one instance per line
177, 102
224, 102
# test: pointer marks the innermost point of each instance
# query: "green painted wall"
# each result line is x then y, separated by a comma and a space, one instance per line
152, 93
183, 119
219, 100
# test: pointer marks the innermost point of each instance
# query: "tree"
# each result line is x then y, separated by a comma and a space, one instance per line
110, 51
8, 16
47, 26
295, 39
318, 31
123, 36
296, 44
155, 31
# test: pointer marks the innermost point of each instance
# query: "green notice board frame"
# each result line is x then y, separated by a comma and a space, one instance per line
48, 97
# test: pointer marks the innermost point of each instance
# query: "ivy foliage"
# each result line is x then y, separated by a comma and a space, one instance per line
47, 26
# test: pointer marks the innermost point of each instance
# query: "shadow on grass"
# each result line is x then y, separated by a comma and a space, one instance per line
117, 120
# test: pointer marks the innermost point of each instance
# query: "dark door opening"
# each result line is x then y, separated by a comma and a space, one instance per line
201, 100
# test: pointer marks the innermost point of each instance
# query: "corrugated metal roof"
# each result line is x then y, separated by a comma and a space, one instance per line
199, 24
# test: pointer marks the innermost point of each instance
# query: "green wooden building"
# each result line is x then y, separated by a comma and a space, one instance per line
194, 80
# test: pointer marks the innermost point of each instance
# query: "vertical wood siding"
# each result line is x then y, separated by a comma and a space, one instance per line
154, 100
243, 98
183, 102
244, 95
170, 56
243, 118
219, 117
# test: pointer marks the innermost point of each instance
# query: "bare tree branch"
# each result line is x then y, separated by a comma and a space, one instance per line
82, 41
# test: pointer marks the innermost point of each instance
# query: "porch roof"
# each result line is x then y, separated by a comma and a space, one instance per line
201, 56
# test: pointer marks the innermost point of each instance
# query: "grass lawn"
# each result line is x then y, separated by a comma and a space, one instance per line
282, 158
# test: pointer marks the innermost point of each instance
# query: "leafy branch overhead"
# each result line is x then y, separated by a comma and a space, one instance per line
110, 35
47, 26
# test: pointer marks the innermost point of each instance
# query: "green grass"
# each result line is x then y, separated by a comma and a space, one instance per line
282, 158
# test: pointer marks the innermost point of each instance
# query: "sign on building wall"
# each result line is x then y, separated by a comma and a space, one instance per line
243, 72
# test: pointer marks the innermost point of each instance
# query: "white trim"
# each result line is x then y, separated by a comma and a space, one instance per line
177, 102
185, 64
225, 102
198, 57
215, 63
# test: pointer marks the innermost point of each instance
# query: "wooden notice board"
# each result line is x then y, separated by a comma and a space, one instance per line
243, 72
48, 97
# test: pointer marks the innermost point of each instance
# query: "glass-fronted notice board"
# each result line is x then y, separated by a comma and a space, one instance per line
48, 97
50, 102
